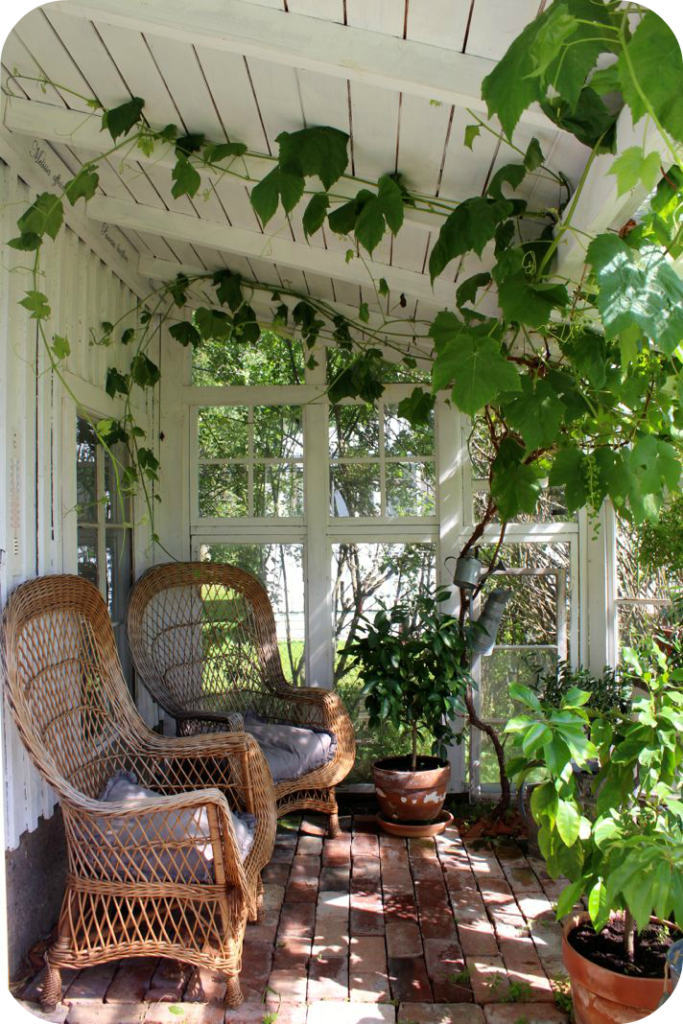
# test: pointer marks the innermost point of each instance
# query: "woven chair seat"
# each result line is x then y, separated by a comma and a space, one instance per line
204, 643
154, 865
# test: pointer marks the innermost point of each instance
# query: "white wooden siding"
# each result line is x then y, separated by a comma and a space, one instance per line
37, 436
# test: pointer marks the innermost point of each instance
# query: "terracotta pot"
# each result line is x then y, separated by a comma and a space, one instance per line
605, 997
407, 795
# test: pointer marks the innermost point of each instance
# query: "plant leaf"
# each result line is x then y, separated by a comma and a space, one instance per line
632, 168
37, 305
417, 408
83, 185
526, 302
278, 185
320, 151
43, 217
186, 178
477, 369
471, 225
655, 54
120, 120
186, 333
568, 822
315, 213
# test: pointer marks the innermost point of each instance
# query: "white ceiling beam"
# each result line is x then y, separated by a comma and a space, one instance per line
314, 44
600, 207
225, 238
83, 131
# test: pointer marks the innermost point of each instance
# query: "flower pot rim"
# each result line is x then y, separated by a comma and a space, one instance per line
614, 985
439, 762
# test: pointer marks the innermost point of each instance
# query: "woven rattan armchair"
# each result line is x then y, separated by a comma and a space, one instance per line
204, 643
162, 877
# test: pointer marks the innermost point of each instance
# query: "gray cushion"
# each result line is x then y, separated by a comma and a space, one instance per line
187, 863
290, 750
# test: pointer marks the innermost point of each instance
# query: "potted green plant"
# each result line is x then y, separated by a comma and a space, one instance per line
622, 849
411, 661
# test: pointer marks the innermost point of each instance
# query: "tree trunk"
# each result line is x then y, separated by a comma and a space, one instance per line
413, 759
629, 937
504, 802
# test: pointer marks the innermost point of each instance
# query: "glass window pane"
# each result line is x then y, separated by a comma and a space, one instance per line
279, 490
504, 666
223, 491
363, 576
117, 508
278, 432
280, 567
551, 508
273, 360
400, 438
86, 471
355, 490
354, 430
223, 432
636, 621
118, 578
87, 554
410, 489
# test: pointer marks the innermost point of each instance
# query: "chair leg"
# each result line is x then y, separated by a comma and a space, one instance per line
52, 986
333, 826
259, 903
233, 995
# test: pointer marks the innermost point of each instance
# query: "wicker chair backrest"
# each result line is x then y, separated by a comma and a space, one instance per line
203, 637
65, 686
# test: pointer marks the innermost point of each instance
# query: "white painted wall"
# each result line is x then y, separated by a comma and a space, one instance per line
37, 436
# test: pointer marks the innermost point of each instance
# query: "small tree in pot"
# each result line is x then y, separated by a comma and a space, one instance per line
622, 849
411, 660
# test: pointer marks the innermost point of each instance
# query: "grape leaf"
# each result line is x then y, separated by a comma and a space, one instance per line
472, 131
477, 369
214, 154
654, 54
186, 178
515, 486
587, 352
83, 185
212, 323
320, 151
637, 288
247, 322
116, 383
186, 333
385, 210
526, 302
417, 408
467, 292
278, 185
510, 174
315, 213
589, 120
60, 346
43, 217
533, 158
37, 305
536, 413
570, 470
120, 120
471, 225
27, 241
632, 167
144, 372
228, 288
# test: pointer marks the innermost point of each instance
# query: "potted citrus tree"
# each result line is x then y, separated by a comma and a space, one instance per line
621, 847
411, 661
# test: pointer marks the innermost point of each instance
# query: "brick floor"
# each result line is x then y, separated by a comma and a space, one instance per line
358, 929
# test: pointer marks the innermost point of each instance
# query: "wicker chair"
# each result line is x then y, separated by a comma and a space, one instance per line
162, 877
204, 643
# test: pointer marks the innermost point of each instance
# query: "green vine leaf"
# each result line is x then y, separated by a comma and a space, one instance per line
536, 413
385, 210
589, 121
278, 185
318, 151
216, 153
186, 333
127, 335
186, 178
43, 217
637, 288
83, 186
37, 305
570, 470
364, 313
472, 132
383, 287
417, 408
474, 365
246, 324
228, 288
515, 486
212, 323
360, 379
148, 463
116, 383
533, 158
61, 348
510, 174
632, 168
177, 289
467, 292
144, 372
526, 302
469, 227
186, 145
119, 120
28, 241
655, 55
315, 213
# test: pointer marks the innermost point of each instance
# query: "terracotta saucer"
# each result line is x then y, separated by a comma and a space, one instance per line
418, 829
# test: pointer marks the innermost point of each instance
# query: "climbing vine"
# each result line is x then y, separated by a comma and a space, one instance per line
577, 380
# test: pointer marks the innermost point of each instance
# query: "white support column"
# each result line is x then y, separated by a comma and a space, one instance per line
319, 626
173, 513
597, 591
451, 458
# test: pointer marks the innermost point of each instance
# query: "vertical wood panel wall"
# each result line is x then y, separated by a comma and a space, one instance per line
37, 437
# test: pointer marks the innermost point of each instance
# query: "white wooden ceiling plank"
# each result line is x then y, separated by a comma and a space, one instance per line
438, 22
161, 179
423, 133
375, 132
325, 100
177, 63
372, 57
497, 23
465, 170
40, 39
276, 5
277, 97
88, 52
237, 204
228, 81
131, 56
294, 279
158, 246
17, 59
409, 248
262, 270
346, 293
320, 286
385, 16
328, 10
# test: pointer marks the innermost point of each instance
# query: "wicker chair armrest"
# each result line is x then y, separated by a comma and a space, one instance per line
308, 705
157, 840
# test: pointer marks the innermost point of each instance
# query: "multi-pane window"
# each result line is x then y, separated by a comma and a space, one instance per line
104, 535
379, 464
643, 597
250, 462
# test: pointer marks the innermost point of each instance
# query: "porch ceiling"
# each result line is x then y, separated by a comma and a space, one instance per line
397, 76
